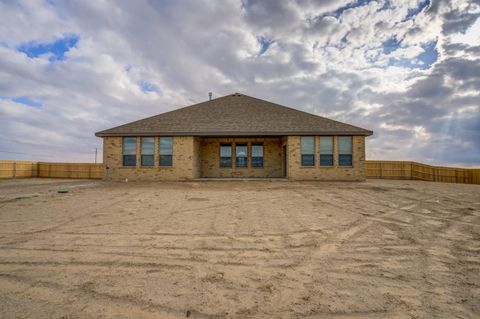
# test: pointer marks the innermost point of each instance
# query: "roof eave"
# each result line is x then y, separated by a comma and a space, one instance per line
229, 134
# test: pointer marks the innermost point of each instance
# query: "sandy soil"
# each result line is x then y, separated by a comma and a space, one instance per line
378, 249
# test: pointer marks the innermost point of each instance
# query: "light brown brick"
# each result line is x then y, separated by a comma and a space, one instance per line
195, 157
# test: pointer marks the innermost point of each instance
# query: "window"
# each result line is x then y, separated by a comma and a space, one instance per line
166, 151
129, 151
225, 155
326, 150
241, 158
257, 155
148, 149
308, 150
345, 150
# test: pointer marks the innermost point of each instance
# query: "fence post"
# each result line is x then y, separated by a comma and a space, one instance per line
14, 169
49, 170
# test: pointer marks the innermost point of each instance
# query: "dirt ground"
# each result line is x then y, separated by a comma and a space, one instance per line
256, 249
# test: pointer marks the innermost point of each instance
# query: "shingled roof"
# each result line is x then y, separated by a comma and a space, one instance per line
234, 115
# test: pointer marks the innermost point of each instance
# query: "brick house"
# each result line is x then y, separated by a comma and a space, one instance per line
234, 136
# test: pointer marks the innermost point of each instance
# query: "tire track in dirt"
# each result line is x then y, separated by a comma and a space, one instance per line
100, 299
329, 246
167, 248
357, 256
424, 262
356, 229
96, 264
331, 243
28, 235
209, 208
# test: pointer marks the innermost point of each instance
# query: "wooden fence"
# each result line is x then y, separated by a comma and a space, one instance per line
14, 169
70, 170
373, 169
18, 169
418, 171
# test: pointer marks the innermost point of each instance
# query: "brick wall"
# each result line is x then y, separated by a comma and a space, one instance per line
183, 167
272, 158
197, 169
195, 157
317, 172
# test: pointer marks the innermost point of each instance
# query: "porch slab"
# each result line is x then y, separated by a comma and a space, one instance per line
237, 179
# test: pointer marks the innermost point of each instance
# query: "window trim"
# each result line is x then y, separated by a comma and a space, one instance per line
312, 154
220, 155
251, 154
320, 152
123, 151
141, 151
160, 154
351, 151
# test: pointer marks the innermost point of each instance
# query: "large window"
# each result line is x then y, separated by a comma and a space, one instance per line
257, 155
148, 149
326, 150
129, 151
166, 151
308, 150
241, 158
225, 155
345, 150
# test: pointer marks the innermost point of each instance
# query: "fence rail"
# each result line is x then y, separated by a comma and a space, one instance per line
418, 171
18, 169
373, 169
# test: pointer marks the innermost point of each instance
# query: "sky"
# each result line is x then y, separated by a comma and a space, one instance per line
409, 70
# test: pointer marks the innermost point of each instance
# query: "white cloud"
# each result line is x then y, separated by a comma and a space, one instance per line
471, 36
320, 60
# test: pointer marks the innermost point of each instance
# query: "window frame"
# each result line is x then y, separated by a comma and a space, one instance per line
123, 151
331, 155
253, 165
220, 163
161, 156
341, 154
302, 163
246, 155
142, 164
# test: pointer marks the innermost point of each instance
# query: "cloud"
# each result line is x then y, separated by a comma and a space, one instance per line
409, 70
458, 21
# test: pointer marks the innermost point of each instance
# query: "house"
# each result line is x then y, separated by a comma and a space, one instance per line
234, 136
